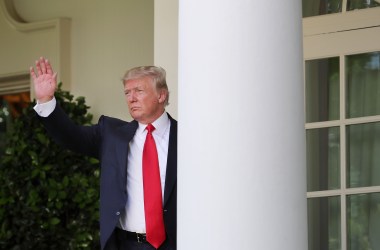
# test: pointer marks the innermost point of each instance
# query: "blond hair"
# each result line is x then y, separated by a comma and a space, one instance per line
157, 74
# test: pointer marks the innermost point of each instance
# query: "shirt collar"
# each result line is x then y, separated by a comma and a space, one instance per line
161, 125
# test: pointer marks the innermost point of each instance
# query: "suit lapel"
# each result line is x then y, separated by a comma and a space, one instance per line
171, 168
125, 134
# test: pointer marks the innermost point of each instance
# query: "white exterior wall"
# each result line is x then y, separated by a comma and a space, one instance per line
166, 46
105, 39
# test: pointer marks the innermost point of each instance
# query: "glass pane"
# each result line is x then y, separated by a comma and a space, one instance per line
363, 84
322, 89
323, 159
363, 155
361, 4
320, 7
324, 223
363, 221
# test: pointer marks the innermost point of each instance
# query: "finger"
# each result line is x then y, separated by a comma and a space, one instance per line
32, 73
43, 65
49, 69
38, 67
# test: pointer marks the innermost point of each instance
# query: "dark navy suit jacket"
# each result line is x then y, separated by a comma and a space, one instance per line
108, 141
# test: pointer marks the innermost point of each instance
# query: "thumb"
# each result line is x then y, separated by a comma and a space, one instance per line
32, 74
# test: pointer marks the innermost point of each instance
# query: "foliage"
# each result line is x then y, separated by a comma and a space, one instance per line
48, 195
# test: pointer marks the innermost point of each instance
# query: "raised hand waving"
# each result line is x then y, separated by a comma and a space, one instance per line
44, 80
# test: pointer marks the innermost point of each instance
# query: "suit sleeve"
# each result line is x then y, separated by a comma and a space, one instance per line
81, 139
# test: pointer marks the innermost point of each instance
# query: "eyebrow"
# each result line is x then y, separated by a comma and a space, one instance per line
135, 88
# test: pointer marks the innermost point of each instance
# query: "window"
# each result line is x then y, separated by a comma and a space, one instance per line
342, 122
323, 7
361, 4
342, 96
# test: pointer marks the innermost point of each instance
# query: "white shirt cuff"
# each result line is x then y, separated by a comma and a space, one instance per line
45, 109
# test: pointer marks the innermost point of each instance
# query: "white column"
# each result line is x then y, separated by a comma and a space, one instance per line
241, 165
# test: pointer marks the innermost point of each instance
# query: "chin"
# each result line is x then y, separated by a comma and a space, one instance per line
135, 116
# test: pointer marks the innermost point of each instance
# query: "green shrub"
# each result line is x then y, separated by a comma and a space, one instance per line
49, 196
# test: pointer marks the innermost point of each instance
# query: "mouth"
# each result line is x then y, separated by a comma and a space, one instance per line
134, 108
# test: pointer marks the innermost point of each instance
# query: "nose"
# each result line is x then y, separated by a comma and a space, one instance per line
131, 97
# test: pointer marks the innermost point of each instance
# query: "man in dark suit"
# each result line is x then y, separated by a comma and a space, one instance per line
131, 215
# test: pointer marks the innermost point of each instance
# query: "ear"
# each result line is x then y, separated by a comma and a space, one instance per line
162, 95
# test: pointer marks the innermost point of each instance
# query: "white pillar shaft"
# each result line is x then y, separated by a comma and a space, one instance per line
241, 156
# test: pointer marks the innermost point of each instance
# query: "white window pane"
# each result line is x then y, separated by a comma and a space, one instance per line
361, 4
324, 223
322, 89
320, 7
363, 155
363, 221
363, 84
323, 159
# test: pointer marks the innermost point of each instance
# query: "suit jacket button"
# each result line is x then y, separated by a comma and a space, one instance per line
117, 213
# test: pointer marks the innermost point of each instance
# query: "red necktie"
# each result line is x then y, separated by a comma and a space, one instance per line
154, 220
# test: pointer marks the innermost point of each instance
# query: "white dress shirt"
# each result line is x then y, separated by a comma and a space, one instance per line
133, 218
45, 109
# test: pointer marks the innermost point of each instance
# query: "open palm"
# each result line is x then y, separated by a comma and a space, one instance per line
44, 80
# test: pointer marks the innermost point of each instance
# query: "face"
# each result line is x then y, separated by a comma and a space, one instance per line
145, 103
